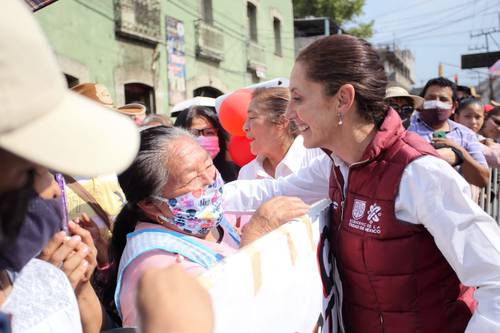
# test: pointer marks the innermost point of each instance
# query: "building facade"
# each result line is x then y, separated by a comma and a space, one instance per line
399, 66
160, 52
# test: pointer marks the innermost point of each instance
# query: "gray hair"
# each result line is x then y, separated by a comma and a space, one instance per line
148, 174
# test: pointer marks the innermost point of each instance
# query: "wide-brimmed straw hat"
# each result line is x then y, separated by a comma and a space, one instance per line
398, 92
41, 120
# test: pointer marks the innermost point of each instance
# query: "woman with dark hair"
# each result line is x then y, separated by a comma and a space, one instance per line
174, 215
470, 113
203, 123
404, 232
491, 127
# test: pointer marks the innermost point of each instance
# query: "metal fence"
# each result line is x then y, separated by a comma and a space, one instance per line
489, 196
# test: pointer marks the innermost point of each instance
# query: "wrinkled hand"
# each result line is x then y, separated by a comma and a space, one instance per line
101, 244
167, 298
271, 215
75, 255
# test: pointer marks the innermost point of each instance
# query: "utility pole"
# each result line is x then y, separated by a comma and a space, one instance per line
486, 33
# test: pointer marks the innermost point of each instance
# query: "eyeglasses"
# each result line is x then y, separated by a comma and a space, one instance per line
209, 131
403, 109
497, 121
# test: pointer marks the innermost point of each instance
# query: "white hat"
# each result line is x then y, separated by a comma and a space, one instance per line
274, 83
401, 92
196, 101
41, 120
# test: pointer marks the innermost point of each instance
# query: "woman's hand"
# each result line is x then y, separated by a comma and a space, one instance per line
271, 215
75, 255
101, 244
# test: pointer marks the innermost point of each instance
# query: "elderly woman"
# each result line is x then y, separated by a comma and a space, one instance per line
174, 214
273, 139
404, 231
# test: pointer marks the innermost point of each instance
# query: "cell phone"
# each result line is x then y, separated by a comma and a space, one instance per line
439, 134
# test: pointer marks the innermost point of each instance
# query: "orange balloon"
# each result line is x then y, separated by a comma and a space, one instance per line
233, 111
239, 149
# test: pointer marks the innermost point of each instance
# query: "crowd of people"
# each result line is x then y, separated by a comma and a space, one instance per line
108, 214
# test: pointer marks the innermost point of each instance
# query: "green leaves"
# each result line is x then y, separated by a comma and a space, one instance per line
340, 11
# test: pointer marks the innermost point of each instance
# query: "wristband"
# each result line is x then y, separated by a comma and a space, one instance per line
459, 155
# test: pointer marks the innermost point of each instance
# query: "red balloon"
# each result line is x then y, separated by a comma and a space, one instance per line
233, 111
239, 149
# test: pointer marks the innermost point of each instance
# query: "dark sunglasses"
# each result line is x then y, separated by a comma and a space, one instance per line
402, 109
497, 121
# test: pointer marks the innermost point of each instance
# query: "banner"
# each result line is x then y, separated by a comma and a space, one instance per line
176, 60
282, 282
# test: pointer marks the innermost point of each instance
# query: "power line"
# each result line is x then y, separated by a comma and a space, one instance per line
439, 25
428, 14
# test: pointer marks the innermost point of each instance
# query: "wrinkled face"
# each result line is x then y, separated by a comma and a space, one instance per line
491, 127
191, 169
311, 110
471, 116
264, 135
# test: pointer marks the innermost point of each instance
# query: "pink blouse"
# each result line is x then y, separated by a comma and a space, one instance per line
161, 259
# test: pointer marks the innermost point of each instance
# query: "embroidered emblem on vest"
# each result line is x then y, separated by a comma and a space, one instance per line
374, 213
358, 209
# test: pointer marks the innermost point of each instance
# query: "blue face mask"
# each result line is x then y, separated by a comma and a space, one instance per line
196, 213
42, 221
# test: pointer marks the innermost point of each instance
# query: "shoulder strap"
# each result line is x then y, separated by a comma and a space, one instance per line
89, 199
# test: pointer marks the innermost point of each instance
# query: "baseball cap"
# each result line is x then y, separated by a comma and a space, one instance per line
41, 120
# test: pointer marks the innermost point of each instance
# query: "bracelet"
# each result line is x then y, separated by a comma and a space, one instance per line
459, 155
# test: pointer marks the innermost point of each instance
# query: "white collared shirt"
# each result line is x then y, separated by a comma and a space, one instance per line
295, 158
431, 193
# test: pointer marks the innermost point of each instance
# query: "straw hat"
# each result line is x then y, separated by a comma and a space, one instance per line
395, 92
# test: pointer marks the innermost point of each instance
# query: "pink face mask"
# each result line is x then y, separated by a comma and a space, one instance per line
210, 143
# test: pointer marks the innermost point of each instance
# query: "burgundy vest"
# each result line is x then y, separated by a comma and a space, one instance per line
394, 278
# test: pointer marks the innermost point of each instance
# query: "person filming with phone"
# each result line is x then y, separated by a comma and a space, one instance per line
455, 143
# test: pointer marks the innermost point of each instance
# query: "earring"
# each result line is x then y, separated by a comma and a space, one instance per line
340, 115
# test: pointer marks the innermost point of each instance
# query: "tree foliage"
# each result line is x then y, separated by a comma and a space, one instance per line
340, 11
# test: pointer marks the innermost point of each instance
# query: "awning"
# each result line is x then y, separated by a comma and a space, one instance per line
38, 4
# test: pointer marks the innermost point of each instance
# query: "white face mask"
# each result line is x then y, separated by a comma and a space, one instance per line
435, 104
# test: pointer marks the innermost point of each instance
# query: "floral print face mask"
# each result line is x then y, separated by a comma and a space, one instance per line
196, 213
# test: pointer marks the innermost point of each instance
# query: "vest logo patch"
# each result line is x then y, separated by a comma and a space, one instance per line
369, 225
358, 209
374, 213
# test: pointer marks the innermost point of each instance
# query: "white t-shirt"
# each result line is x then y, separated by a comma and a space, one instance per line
42, 301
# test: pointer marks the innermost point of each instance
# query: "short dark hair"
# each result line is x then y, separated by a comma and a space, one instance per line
442, 82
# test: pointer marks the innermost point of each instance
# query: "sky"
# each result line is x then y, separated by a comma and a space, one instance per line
436, 31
